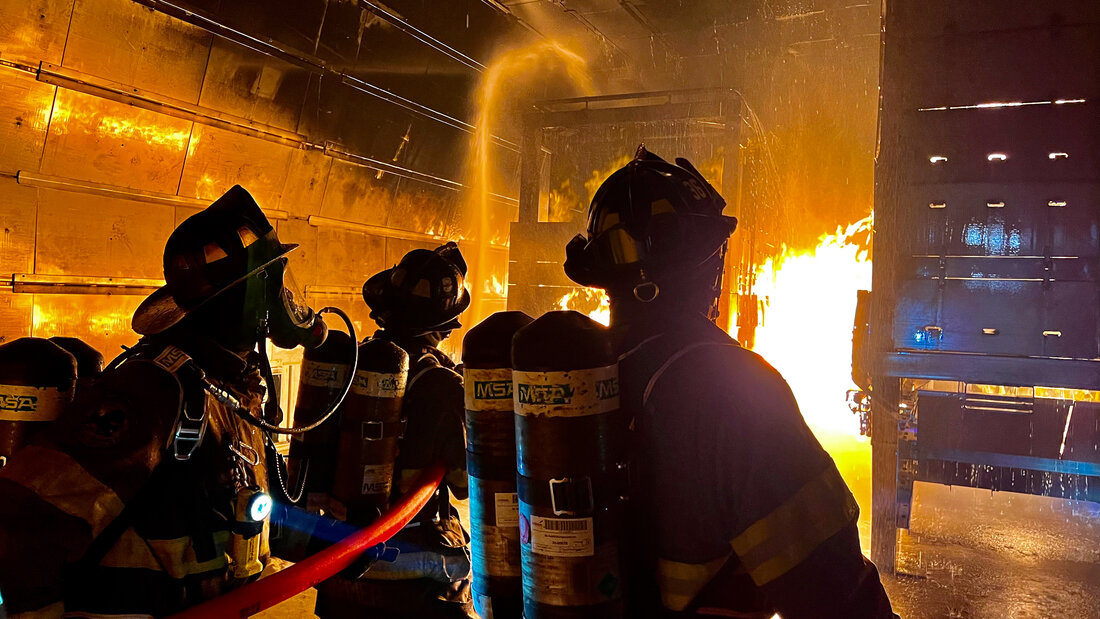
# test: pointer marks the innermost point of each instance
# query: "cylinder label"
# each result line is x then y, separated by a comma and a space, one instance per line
327, 375
576, 393
507, 509
379, 385
27, 403
488, 390
377, 478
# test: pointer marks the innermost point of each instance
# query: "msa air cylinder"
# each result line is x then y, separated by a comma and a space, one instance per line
370, 427
570, 460
491, 462
37, 378
313, 454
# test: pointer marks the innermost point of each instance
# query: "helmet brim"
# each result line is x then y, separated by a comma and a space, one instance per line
159, 311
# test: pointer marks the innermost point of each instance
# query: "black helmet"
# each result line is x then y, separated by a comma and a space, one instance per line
210, 252
424, 292
648, 218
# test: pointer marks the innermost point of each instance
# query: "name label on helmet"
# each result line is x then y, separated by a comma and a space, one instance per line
576, 393
488, 390
326, 375
27, 403
378, 384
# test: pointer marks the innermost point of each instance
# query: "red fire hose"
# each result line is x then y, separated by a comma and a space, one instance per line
263, 594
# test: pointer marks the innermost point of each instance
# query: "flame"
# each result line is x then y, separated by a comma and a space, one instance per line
494, 287
89, 116
809, 300
591, 301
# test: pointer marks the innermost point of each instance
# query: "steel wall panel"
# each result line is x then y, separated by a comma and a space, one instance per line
306, 183
999, 317
102, 321
255, 86
346, 257
18, 212
15, 315
354, 194
89, 235
1061, 62
103, 141
1071, 309
25, 107
1027, 135
1029, 225
940, 16
219, 159
417, 207
396, 248
34, 30
122, 41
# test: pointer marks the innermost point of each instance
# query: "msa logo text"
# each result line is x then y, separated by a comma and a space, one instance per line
323, 374
545, 394
18, 403
493, 389
607, 389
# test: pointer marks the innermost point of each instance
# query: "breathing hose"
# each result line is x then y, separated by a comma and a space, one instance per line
274, 429
267, 592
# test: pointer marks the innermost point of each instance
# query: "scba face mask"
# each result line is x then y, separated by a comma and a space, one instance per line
291, 322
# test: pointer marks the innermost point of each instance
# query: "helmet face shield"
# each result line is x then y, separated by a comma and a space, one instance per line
291, 322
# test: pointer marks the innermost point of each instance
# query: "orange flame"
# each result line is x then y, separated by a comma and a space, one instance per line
591, 301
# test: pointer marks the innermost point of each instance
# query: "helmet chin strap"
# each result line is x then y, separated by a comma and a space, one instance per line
646, 291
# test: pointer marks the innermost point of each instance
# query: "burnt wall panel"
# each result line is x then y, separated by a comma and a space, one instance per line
101, 320
97, 140
85, 235
18, 210
34, 30
353, 194
257, 87
123, 41
306, 182
15, 315
25, 107
218, 159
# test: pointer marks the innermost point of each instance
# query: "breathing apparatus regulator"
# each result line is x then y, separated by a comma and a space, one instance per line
226, 266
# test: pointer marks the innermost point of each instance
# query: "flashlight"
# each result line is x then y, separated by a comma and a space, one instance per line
253, 508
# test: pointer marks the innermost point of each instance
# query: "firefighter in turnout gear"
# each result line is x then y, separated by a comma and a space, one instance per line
736, 508
417, 304
149, 493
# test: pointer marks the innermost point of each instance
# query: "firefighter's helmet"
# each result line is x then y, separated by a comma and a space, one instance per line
648, 219
207, 254
425, 292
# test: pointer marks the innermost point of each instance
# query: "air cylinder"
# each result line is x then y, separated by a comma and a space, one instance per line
370, 427
89, 361
491, 463
313, 454
570, 461
37, 379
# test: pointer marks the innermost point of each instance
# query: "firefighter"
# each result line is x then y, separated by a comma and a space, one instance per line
416, 304
149, 493
736, 508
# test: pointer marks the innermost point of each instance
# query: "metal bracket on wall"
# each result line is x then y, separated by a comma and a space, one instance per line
45, 181
32, 283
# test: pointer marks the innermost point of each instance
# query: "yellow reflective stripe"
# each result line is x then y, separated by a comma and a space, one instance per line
60, 481
53, 611
775, 544
174, 556
681, 582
